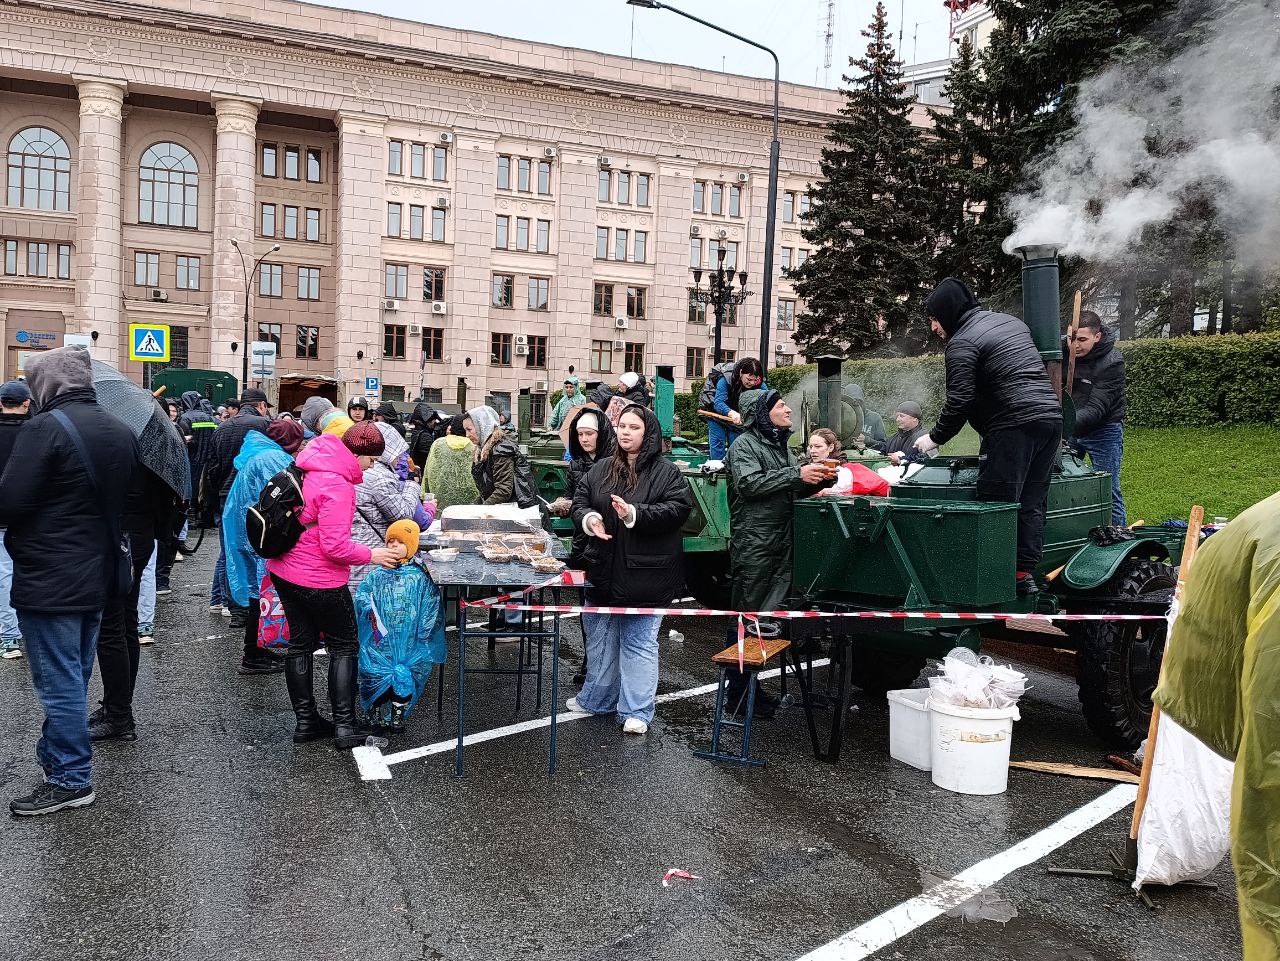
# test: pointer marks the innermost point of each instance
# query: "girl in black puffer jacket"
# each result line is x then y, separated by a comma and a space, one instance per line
631, 506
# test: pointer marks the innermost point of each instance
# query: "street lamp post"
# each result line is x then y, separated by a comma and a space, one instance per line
249, 274
775, 149
718, 294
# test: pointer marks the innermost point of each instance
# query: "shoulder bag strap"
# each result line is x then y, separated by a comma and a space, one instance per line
74, 433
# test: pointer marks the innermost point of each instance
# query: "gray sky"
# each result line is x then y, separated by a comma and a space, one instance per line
794, 28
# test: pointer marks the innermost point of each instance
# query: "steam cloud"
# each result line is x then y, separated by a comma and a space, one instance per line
1150, 134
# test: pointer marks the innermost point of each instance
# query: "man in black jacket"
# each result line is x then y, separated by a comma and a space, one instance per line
1097, 390
15, 411
63, 516
996, 380
901, 447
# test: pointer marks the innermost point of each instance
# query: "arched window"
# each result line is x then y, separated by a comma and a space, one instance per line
39, 170
168, 186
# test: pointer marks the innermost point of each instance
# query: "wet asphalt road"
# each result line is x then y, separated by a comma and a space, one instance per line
215, 837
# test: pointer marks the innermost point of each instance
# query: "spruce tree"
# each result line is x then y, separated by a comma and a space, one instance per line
862, 287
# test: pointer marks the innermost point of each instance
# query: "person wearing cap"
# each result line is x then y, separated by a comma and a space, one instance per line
902, 445
15, 410
573, 398
996, 381
386, 413
320, 417
631, 388
358, 409
311, 580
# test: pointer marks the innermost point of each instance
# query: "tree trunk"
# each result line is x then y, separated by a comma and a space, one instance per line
1212, 327
1248, 317
1128, 308
1225, 326
1182, 301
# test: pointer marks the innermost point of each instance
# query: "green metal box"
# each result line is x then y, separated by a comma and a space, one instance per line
905, 553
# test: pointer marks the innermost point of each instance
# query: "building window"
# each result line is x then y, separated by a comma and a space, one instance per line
789, 207
633, 357
602, 243
697, 312
504, 290
699, 197
38, 260
539, 293
433, 343
642, 190
39, 170
146, 268
308, 345
603, 192
393, 341
270, 333
188, 273
433, 283
787, 254
417, 216
803, 206
432, 395
501, 231
544, 177
179, 346
786, 315
64, 263
313, 165
695, 359
717, 199
801, 256
168, 186
395, 157
504, 173
538, 408
291, 155
602, 301
439, 163
602, 356
269, 168
268, 220
418, 160
393, 220
544, 237
624, 187
523, 170
641, 248
437, 224
537, 356
635, 302
395, 393
396, 281
313, 224
522, 233
11, 257
308, 283
620, 238
290, 223
500, 350
695, 253
735, 201
730, 254
728, 356
731, 315
271, 280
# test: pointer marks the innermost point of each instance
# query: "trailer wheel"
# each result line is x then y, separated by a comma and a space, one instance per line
879, 671
707, 579
1118, 663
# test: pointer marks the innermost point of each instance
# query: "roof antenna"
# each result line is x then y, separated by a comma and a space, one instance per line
829, 38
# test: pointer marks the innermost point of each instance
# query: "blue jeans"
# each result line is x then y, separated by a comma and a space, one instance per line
61, 648
622, 665
719, 437
221, 593
147, 591
9, 629
1105, 447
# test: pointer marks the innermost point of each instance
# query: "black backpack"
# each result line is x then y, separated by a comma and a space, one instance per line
707, 398
272, 524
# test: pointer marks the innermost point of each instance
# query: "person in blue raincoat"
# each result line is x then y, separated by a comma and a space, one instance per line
261, 457
401, 623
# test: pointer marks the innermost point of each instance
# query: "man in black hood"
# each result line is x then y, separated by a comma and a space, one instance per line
1097, 390
996, 380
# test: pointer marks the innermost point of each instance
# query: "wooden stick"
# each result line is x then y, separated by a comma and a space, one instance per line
712, 415
1071, 336
1075, 770
1189, 545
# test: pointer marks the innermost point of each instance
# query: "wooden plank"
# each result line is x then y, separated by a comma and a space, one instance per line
1075, 770
751, 651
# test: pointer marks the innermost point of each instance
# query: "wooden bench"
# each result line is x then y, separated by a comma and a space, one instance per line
755, 655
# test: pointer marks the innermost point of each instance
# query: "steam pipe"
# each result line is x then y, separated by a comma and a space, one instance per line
1042, 306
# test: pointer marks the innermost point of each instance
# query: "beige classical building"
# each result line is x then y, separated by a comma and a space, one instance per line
450, 207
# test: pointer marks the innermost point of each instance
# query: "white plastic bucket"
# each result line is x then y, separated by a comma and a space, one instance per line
909, 734
970, 747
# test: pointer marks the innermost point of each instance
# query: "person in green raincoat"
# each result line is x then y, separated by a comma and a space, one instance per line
764, 481
1221, 681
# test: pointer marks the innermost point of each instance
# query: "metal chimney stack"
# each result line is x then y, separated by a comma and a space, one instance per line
1042, 306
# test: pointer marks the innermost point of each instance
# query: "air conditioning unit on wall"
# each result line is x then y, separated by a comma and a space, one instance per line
158, 294
743, 178
442, 201
539, 386
522, 350
439, 307
779, 348
415, 330
605, 161
446, 138
550, 153
619, 345
695, 231
391, 306
620, 323
522, 340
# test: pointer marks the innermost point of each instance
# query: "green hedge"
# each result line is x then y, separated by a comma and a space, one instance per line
1201, 381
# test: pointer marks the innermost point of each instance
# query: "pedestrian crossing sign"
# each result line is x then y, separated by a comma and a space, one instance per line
149, 343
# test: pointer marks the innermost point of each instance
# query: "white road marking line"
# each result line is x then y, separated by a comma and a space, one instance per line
898, 922
376, 766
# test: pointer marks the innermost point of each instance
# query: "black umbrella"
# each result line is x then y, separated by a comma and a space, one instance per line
160, 446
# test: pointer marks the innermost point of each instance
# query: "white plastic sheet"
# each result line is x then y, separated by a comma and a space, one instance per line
978, 682
1185, 830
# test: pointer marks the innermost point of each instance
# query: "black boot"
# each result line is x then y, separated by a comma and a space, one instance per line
297, 675
347, 732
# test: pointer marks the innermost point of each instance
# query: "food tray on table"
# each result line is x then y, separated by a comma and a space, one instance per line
518, 570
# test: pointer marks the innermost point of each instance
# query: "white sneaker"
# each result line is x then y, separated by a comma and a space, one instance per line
178, 558
215, 608
146, 639
320, 652
10, 652
226, 611
633, 725
573, 705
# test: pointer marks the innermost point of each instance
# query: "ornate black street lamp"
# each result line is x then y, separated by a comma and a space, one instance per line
718, 294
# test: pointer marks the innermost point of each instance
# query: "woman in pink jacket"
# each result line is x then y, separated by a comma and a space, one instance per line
311, 580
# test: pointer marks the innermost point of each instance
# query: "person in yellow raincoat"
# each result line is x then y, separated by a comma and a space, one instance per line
1221, 681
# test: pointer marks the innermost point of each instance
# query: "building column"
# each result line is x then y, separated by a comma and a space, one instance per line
574, 284
99, 245
361, 213
235, 171
669, 297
